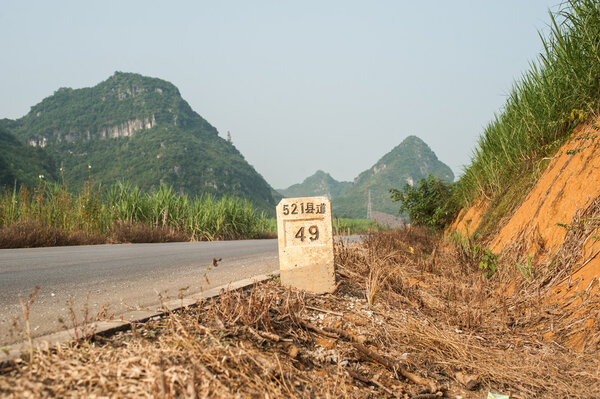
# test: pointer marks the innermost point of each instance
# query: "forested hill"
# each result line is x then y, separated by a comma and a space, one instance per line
135, 128
408, 162
22, 164
321, 183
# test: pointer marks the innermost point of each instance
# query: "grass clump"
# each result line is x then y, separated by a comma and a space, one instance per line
50, 215
560, 91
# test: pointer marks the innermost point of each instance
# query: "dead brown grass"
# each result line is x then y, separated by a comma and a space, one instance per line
433, 327
33, 234
144, 233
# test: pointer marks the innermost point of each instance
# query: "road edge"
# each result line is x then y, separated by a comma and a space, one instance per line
15, 352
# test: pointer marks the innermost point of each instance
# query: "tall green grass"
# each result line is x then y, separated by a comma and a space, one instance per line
99, 211
202, 218
346, 226
51, 205
560, 90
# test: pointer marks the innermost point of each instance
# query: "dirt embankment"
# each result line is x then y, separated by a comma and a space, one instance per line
570, 183
553, 237
468, 220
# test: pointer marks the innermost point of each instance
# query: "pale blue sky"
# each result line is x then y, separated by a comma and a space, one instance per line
302, 85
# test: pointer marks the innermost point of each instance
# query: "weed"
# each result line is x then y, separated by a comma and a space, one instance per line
526, 270
565, 226
26, 308
575, 151
82, 331
346, 226
472, 254
588, 137
488, 263
468, 250
374, 282
577, 115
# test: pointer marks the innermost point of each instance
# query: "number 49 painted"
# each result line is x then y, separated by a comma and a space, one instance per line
312, 230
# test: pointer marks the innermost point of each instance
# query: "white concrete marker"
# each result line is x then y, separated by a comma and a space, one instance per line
305, 238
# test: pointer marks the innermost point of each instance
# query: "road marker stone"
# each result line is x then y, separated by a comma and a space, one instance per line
305, 239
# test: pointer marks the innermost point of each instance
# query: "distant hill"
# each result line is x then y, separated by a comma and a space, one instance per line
408, 162
320, 183
139, 129
22, 164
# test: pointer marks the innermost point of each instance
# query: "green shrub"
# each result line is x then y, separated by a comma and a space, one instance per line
429, 203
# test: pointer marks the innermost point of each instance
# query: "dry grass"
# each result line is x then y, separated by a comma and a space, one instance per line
143, 233
550, 302
432, 327
33, 234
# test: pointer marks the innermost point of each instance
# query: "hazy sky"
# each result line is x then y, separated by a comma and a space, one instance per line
301, 85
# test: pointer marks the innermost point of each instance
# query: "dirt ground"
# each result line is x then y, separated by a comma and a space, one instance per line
412, 317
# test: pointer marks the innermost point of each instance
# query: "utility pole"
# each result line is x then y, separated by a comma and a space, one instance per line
228, 136
369, 205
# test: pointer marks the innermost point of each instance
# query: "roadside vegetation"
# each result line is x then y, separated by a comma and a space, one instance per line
347, 226
428, 203
51, 215
560, 91
410, 318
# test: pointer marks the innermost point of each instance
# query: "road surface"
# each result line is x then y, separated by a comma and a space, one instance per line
117, 277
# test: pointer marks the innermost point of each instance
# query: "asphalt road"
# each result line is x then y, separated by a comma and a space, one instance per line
119, 278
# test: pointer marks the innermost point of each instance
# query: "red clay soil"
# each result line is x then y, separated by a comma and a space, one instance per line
585, 273
558, 226
540, 225
570, 182
468, 220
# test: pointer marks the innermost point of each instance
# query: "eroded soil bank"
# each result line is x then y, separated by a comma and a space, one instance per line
552, 239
